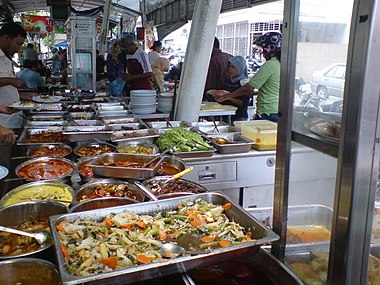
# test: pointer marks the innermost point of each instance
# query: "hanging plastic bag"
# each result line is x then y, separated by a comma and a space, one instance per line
116, 87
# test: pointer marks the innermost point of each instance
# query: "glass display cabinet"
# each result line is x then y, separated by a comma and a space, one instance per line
82, 53
329, 103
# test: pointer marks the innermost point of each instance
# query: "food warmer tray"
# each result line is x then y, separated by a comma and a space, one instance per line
113, 114
128, 126
23, 139
87, 133
147, 134
125, 120
194, 154
240, 144
80, 116
111, 108
43, 117
45, 124
168, 124
85, 123
175, 265
313, 214
220, 130
123, 172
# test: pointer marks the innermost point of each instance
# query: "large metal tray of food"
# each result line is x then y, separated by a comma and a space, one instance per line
194, 154
119, 136
85, 123
43, 117
78, 107
124, 165
168, 124
309, 226
311, 266
99, 106
80, 116
259, 269
124, 120
87, 133
45, 124
219, 129
111, 114
128, 126
111, 108
146, 262
51, 135
230, 143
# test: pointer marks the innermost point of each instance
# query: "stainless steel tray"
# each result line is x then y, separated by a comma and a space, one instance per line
78, 107
49, 113
85, 123
168, 125
317, 215
128, 126
45, 124
319, 126
110, 114
220, 130
123, 172
23, 139
119, 136
238, 143
81, 116
111, 108
99, 106
42, 117
194, 154
125, 120
175, 265
50, 107
87, 133
263, 265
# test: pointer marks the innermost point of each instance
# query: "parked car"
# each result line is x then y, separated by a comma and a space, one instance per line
329, 81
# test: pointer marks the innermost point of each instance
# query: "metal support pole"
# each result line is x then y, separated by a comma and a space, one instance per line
198, 53
104, 29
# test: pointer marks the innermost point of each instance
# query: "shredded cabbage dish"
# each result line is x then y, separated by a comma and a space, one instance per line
123, 240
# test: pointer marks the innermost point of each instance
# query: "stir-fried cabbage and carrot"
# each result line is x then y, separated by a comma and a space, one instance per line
126, 239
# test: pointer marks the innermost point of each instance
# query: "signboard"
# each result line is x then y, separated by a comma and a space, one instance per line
83, 28
41, 25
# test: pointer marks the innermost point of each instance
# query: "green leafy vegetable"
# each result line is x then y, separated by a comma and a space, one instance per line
183, 141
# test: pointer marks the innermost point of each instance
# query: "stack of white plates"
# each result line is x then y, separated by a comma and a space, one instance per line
165, 102
143, 101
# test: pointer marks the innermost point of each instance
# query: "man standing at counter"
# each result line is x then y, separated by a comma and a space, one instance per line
138, 69
12, 37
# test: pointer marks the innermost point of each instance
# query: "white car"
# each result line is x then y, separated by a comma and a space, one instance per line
329, 81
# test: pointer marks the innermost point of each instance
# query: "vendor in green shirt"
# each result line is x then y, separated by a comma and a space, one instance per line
266, 80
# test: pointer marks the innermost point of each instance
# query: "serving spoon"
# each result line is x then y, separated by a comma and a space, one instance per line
41, 237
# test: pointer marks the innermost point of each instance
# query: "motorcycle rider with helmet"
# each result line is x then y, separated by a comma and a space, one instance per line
266, 80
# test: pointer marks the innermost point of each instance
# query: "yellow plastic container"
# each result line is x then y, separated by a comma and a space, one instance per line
262, 132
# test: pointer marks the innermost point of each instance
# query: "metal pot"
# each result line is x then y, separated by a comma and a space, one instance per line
82, 162
31, 271
95, 145
43, 159
19, 213
89, 187
35, 190
100, 203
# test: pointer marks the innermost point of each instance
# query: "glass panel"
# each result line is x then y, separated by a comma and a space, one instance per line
310, 212
322, 44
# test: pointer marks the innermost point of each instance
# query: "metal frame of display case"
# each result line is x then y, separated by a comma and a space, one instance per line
82, 29
358, 150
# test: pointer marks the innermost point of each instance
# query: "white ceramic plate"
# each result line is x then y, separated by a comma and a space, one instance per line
3, 171
24, 105
47, 99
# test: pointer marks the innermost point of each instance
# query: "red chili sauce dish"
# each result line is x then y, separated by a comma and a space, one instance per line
45, 170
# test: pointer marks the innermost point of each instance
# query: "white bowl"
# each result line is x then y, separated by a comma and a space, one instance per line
144, 110
166, 94
143, 100
143, 92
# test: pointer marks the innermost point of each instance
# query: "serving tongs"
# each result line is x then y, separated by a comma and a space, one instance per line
159, 157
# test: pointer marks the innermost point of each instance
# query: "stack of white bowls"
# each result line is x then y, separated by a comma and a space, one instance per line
165, 102
143, 101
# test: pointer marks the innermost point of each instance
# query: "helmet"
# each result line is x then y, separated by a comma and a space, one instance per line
270, 42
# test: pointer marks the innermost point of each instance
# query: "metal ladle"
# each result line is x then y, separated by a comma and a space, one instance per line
40, 237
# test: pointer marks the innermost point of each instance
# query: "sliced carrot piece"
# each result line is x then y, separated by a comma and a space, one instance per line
227, 206
193, 215
65, 252
224, 243
111, 261
180, 206
173, 234
209, 238
108, 221
127, 226
141, 224
196, 222
143, 259
60, 226
162, 234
